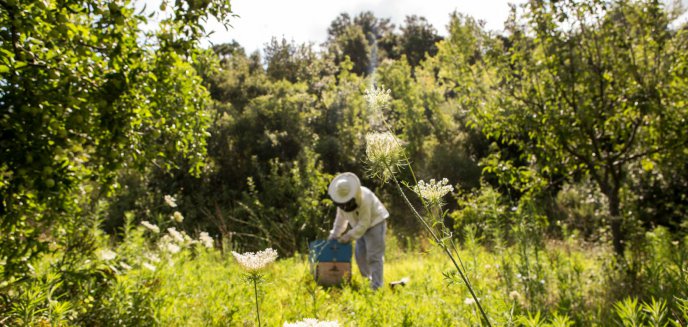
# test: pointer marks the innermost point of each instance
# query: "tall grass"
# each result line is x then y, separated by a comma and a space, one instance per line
197, 286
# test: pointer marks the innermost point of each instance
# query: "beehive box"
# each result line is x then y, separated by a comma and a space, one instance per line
330, 262
333, 273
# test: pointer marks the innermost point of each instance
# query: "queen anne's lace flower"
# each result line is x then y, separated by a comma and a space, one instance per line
172, 248
177, 236
149, 266
514, 295
256, 261
378, 99
107, 255
152, 227
384, 154
170, 201
206, 240
152, 257
433, 191
177, 216
310, 322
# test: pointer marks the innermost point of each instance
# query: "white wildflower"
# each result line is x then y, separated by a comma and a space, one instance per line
515, 296
384, 153
172, 248
469, 301
433, 191
107, 255
206, 240
383, 147
177, 216
255, 261
377, 98
149, 266
310, 322
152, 227
152, 257
177, 236
170, 201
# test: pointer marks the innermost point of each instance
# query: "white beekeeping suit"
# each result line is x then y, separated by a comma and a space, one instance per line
362, 210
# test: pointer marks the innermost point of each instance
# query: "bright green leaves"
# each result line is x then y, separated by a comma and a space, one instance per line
588, 91
647, 164
82, 97
172, 117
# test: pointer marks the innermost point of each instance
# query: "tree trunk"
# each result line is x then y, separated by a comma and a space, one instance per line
616, 220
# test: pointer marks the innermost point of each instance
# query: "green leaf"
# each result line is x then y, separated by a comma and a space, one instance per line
647, 165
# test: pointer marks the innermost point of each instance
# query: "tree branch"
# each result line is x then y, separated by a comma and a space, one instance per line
13, 29
653, 151
627, 145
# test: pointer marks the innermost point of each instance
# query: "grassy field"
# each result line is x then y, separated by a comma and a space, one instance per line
204, 287
170, 279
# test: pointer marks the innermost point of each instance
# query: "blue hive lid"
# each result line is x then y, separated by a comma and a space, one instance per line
329, 251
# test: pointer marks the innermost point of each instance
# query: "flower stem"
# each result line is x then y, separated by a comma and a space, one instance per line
255, 291
437, 239
444, 248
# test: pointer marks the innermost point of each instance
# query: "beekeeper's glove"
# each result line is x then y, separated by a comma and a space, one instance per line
346, 238
331, 237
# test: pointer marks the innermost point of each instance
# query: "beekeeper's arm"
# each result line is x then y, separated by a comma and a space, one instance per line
364, 220
339, 225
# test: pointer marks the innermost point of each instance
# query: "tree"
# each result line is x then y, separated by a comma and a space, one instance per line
227, 50
590, 87
418, 39
457, 67
381, 36
342, 121
81, 97
366, 40
289, 61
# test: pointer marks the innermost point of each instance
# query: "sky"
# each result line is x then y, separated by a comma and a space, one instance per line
304, 21
307, 20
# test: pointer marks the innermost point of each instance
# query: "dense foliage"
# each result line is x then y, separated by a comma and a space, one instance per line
562, 138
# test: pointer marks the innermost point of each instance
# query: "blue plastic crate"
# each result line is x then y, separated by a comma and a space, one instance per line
329, 251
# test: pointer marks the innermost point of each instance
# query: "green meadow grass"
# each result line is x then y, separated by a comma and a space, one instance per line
210, 289
142, 282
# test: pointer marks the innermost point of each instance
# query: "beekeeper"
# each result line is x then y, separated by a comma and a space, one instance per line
363, 211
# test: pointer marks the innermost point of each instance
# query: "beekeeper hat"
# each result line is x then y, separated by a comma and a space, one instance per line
344, 187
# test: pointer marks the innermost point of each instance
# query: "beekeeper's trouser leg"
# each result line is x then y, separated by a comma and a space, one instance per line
370, 251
